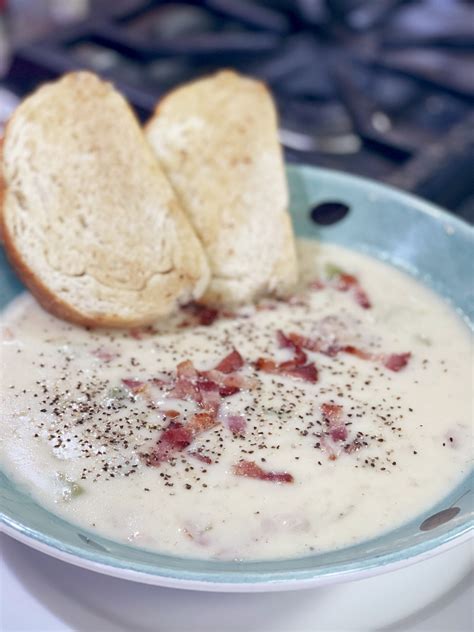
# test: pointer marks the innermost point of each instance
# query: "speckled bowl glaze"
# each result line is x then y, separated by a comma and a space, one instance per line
413, 235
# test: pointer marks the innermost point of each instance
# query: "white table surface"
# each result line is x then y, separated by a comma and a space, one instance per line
42, 594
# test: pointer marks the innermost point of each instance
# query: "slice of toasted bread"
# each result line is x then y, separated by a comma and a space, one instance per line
89, 219
216, 139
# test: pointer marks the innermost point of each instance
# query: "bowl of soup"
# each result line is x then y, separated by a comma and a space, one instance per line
322, 437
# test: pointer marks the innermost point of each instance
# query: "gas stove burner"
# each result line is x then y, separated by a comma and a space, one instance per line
363, 86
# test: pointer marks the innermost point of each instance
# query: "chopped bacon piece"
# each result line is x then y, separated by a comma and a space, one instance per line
286, 341
175, 438
345, 282
396, 361
251, 470
227, 391
200, 422
232, 362
171, 413
202, 314
332, 414
361, 298
236, 423
135, 386
140, 332
186, 369
319, 346
104, 354
307, 372
359, 353
295, 367
200, 457
242, 382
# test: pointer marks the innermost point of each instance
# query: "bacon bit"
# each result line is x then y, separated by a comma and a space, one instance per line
242, 382
200, 422
307, 372
318, 346
332, 414
285, 341
203, 315
396, 361
171, 413
361, 298
232, 362
227, 391
186, 369
251, 470
140, 332
200, 457
175, 438
236, 423
343, 282
295, 367
359, 353
104, 355
135, 386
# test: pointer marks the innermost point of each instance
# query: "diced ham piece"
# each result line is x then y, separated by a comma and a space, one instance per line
232, 362
251, 470
396, 361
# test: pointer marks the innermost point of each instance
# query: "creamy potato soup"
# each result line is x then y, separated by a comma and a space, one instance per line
277, 430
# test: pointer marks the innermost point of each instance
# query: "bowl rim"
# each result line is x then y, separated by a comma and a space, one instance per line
242, 579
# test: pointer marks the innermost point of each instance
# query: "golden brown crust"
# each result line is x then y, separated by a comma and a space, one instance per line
51, 301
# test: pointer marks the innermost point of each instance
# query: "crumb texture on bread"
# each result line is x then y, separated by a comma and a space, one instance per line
89, 219
216, 139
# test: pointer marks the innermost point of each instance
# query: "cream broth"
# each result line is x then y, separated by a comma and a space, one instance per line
342, 413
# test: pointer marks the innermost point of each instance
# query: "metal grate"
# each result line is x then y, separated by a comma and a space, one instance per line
382, 89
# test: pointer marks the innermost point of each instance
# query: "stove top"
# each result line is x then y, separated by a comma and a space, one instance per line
382, 89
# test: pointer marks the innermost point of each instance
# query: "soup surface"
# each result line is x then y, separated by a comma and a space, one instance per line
275, 431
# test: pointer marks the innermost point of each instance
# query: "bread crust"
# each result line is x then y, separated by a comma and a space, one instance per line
65, 309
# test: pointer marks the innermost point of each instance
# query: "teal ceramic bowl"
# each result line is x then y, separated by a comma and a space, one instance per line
412, 235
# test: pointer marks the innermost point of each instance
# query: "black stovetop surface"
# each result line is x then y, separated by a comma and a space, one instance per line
381, 88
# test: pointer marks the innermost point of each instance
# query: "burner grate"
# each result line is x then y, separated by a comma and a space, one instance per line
383, 89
